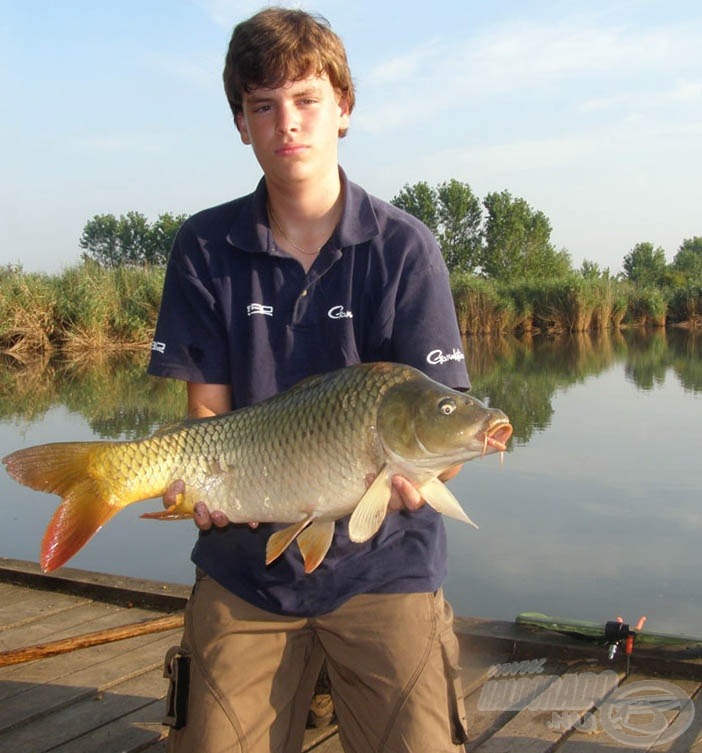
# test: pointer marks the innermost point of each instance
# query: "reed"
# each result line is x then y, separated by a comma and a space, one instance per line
89, 309
647, 307
685, 305
479, 306
27, 314
103, 309
84, 309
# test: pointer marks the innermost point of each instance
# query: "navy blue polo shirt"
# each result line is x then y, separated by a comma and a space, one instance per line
237, 310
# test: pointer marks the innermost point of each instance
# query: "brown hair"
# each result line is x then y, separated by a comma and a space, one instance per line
281, 44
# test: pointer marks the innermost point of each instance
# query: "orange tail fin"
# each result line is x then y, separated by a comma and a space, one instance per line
88, 500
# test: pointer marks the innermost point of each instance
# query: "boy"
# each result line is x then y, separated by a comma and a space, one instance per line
308, 274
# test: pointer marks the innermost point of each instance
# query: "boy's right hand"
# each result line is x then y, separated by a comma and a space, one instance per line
204, 519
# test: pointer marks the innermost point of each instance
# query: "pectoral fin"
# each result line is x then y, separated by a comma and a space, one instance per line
370, 512
314, 543
439, 496
279, 541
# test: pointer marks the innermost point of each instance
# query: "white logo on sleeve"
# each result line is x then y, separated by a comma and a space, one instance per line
259, 308
339, 312
159, 347
439, 357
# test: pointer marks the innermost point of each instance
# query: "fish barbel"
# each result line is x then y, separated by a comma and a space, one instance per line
301, 457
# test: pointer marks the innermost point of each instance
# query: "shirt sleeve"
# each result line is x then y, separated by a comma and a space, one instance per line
425, 330
190, 342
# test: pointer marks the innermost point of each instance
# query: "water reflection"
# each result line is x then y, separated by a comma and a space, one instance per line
112, 393
520, 376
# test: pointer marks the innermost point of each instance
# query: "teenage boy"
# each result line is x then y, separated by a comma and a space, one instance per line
307, 274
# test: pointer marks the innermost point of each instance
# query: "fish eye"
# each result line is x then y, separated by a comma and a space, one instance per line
447, 406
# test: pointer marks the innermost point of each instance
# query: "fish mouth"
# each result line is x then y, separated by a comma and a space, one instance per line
496, 436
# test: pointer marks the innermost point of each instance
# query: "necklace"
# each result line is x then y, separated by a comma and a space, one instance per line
274, 220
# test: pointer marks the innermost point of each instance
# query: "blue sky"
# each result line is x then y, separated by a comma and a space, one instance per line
591, 111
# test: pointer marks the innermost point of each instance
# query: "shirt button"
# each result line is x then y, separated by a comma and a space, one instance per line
303, 294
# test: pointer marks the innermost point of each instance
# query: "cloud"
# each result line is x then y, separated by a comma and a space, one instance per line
523, 58
681, 93
407, 67
203, 73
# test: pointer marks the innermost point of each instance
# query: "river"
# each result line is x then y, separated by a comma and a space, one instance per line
594, 512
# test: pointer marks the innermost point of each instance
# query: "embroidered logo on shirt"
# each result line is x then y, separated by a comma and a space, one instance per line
438, 356
339, 312
259, 308
158, 346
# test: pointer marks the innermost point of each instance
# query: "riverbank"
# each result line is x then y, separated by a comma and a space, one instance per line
89, 308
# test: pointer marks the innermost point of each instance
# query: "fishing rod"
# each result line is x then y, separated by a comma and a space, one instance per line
617, 635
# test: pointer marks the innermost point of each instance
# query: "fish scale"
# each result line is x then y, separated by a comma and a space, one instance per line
304, 457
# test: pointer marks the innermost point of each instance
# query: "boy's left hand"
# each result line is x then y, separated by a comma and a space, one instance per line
406, 496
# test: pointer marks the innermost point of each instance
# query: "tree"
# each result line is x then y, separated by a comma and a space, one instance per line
518, 241
590, 270
453, 213
100, 239
421, 201
460, 220
129, 239
688, 259
645, 265
134, 237
163, 233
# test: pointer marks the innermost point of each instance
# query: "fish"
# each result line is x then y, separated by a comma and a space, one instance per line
303, 457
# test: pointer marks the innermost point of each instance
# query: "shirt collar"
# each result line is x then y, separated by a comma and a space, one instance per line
251, 229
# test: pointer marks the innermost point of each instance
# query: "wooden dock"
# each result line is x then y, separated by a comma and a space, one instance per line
109, 697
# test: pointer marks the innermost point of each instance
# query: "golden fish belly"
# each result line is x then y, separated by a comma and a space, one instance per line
309, 454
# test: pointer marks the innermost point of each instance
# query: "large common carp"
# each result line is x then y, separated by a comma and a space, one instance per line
301, 457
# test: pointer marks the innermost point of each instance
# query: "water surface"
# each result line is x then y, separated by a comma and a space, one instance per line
594, 513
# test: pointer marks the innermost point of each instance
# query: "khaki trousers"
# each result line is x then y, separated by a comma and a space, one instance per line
392, 662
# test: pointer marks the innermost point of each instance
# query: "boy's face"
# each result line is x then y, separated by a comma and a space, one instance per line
294, 129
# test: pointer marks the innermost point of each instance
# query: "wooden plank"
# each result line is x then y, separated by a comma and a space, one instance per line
83, 617
94, 638
691, 740
21, 605
158, 747
578, 742
111, 665
57, 668
140, 730
115, 589
88, 714
330, 745
315, 736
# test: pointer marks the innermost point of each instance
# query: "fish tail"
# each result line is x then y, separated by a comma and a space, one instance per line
83, 474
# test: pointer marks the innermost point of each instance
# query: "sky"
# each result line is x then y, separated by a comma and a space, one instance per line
590, 111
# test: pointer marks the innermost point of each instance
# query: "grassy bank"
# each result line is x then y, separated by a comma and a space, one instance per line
569, 304
88, 308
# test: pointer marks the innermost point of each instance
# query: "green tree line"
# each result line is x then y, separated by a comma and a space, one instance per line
500, 237
129, 239
503, 238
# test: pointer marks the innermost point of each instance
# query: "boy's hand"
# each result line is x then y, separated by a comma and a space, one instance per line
204, 519
406, 496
